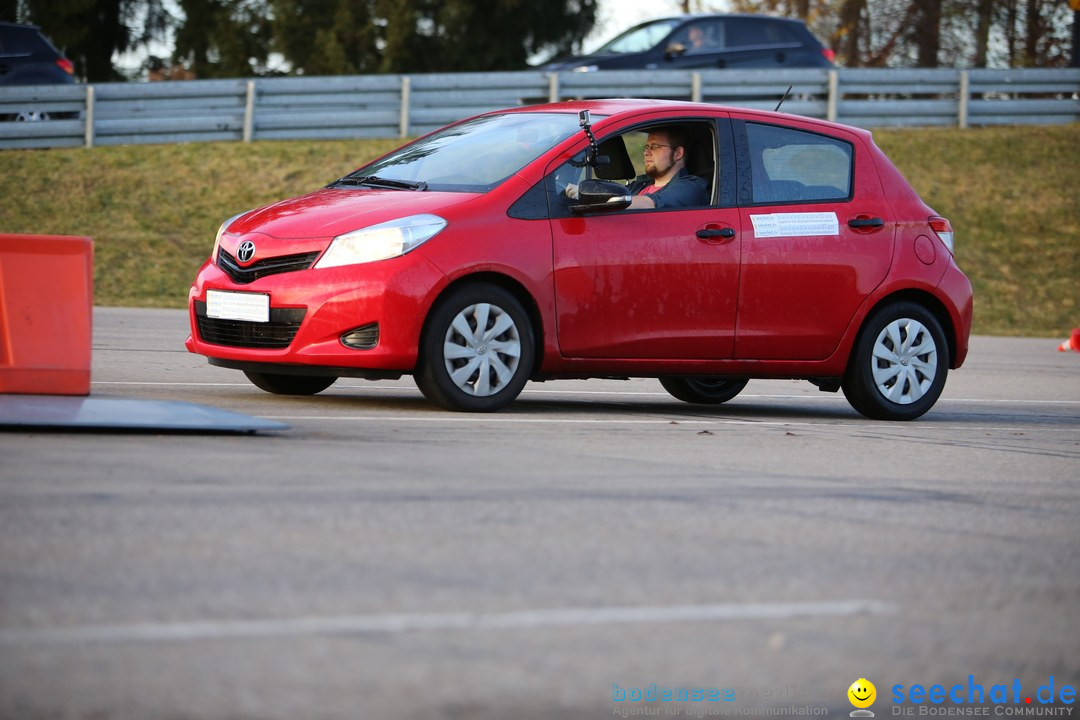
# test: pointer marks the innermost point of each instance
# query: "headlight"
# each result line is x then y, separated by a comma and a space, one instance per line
220, 232
586, 68
381, 242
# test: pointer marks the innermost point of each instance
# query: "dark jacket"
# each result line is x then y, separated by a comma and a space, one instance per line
684, 190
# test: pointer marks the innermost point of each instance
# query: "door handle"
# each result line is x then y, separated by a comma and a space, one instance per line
863, 223
714, 233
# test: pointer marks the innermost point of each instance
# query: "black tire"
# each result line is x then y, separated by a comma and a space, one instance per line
32, 116
702, 390
899, 363
290, 384
485, 371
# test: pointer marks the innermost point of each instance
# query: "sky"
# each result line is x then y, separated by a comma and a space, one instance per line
618, 15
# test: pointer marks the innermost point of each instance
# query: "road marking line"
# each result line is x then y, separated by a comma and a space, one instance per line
633, 393
401, 623
672, 420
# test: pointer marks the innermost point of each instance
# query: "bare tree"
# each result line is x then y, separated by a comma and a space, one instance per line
848, 35
929, 33
985, 18
926, 32
1034, 32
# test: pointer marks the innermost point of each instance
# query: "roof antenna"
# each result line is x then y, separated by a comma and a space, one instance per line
786, 93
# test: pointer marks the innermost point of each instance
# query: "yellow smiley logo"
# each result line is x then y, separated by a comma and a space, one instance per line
862, 693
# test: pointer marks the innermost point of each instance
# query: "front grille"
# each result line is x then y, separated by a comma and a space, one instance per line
273, 335
262, 268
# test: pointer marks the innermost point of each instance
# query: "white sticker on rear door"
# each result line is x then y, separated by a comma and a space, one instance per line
795, 224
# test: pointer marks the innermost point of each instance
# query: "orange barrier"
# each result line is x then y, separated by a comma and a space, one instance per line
46, 300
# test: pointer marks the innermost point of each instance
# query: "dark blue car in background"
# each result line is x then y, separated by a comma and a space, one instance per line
28, 58
706, 41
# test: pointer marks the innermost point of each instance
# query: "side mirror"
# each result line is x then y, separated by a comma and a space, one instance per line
675, 49
601, 196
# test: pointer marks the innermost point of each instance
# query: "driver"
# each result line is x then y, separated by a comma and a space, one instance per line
666, 183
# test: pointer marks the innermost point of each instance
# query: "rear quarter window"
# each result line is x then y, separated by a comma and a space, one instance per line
795, 166
21, 41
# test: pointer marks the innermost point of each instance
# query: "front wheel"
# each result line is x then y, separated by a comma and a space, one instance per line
702, 391
477, 350
289, 384
898, 367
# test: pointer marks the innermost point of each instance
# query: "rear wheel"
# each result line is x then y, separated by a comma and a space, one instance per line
32, 116
702, 390
477, 350
289, 384
899, 364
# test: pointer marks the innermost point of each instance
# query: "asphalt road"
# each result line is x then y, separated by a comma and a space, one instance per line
386, 559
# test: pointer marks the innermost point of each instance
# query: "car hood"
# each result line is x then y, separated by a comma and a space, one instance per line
330, 212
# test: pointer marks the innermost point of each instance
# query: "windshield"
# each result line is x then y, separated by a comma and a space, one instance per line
473, 156
640, 38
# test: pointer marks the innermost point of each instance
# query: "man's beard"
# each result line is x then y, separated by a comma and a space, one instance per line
654, 171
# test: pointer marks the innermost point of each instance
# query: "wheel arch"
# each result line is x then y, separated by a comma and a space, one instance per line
511, 285
932, 304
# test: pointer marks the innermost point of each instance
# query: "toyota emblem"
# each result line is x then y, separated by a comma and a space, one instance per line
246, 251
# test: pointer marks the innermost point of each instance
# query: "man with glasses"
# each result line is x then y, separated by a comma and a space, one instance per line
666, 183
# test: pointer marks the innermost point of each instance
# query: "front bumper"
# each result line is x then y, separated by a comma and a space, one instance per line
310, 311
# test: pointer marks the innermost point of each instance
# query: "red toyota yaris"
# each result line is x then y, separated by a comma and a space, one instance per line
503, 248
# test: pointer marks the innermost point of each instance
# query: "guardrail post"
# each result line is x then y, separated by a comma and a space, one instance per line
965, 94
695, 87
88, 117
553, 87
249, 112
834, 96
406, 92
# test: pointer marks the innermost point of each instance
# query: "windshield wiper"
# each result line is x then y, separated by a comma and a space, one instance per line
375, 181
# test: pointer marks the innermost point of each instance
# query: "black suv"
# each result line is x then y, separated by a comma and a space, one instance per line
706, 41
28, 58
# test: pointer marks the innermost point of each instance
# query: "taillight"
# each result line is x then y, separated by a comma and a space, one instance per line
943, 229
829, 54
66, 65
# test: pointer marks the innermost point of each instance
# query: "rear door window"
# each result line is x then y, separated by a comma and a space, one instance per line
753, 32
794, 166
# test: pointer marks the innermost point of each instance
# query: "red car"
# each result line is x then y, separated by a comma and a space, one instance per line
463, 259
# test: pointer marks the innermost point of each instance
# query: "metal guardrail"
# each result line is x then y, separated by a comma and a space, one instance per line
403, 105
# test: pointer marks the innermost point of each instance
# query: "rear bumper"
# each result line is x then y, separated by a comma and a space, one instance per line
956, 287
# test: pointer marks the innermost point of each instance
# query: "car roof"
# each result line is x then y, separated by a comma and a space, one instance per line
608, 110
721, 16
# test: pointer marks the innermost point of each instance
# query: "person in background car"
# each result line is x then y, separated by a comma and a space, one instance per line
697, 40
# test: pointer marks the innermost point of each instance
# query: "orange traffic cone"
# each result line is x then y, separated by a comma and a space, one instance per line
1073, 343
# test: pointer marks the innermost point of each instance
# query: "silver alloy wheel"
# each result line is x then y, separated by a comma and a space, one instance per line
905, 361
482, 349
